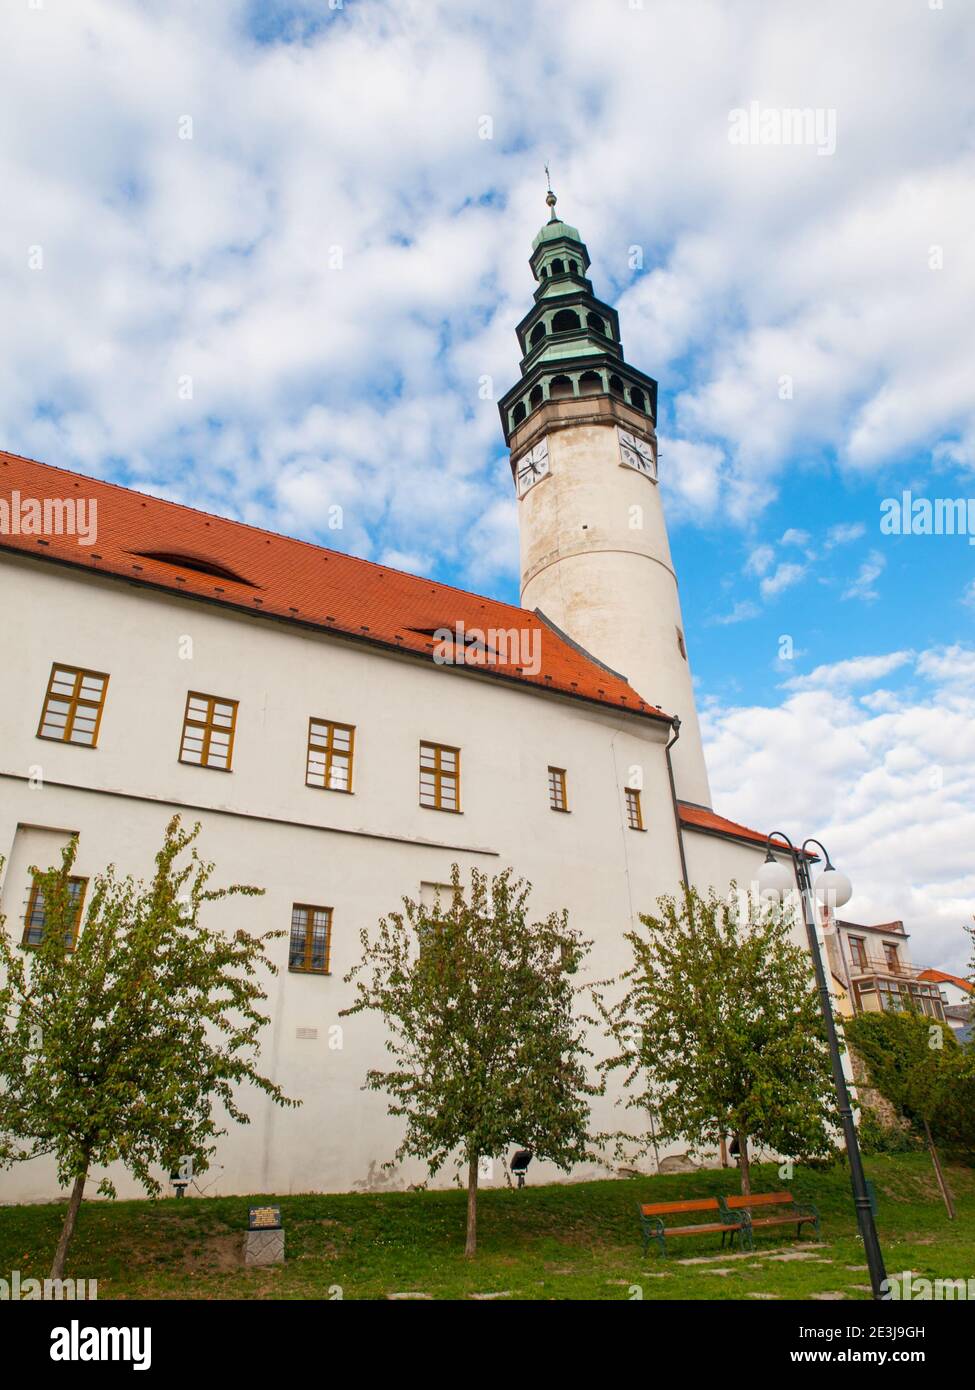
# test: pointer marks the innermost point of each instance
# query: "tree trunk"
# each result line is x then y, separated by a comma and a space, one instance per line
945, 1190
471, 1243
723, 1146
70, 1220
746, 1176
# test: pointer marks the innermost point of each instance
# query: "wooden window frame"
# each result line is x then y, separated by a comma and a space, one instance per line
634, 802
35, 889
858, 951
306, 968
331, 725
558, 790
208, 728
439, 777
75, 701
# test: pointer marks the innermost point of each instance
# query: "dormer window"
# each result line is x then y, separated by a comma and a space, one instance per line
196, 563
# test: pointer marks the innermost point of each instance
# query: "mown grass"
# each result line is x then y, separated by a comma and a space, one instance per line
566, 1241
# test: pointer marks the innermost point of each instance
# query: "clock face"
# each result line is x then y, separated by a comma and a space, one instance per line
532, 467
637, 453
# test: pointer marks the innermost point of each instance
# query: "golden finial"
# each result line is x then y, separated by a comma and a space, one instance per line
550, 197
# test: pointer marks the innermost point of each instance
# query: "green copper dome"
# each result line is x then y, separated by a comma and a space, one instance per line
555, 228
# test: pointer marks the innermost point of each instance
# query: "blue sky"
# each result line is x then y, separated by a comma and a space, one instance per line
283, 247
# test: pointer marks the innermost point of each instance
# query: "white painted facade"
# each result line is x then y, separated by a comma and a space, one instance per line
358, 854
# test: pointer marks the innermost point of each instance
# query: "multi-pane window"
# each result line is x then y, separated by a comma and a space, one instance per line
556, 789
634, 811
311, 939
208, 731
857, 952
439, 777
35, 919
891, 957
73, 705
330, 748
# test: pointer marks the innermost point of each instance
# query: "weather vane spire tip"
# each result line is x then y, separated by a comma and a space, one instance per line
550, 197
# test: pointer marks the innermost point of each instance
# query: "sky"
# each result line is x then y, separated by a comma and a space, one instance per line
267, 259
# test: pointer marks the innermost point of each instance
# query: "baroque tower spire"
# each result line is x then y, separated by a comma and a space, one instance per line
581, 427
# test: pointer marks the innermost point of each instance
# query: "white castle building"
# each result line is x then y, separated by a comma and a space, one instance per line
298, 703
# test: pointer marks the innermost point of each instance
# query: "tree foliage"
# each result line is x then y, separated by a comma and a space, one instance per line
719, 1030
122, 1049
486, 1048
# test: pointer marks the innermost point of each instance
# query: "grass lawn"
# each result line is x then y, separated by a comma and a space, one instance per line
571, 1241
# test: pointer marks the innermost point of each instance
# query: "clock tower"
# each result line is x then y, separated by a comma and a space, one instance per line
595, 559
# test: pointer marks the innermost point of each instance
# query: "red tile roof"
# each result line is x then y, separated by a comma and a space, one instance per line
261, 572
942, 977
700, 818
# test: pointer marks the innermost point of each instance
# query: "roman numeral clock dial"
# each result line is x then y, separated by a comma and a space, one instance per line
532, 467
637, 453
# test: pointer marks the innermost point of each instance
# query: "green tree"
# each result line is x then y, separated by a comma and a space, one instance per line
486, 1047
719, 1030
118, 1050
916, 1064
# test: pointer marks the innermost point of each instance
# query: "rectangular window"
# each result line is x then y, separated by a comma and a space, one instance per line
73, 706
439, 777
556, 789
857, 953
330, 748
890, 955
208, 731
311, 939
35, 919
634, 811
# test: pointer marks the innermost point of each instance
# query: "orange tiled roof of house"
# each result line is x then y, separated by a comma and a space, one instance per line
165, 545
700, 818
942, 977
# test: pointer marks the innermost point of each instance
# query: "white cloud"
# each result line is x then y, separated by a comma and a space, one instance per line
760, 560
889, 789
842, 675
844, 532
871, 570
785, 576
743, 610
794, 537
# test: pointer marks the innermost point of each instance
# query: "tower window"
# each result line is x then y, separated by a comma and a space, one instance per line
558, 268
557, 798
638, 399
208, 731
573, 268
73, 703
35, 918
439, 777
536, 397
590, 384
616, 386
680, 643
566, 321
537, 333
559, 387
311, 939
596, 324
518, 414
634, 811
330, 751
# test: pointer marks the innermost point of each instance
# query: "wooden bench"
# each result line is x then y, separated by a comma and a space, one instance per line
756, 1211
652, 1221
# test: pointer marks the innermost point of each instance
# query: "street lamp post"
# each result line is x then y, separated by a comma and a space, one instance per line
775, 882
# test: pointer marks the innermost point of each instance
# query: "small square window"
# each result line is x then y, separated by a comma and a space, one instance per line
311, 939
35, 918
330, 750
557, 798
208, 731
634, 811
439, 777
73, 705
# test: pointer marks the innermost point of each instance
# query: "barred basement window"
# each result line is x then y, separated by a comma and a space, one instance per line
439, 777
634, 811
330, 749
73, 706
311, 939
208, 731
35, 919
556, 789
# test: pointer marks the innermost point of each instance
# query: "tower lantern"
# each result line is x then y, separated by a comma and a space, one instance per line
581, 427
